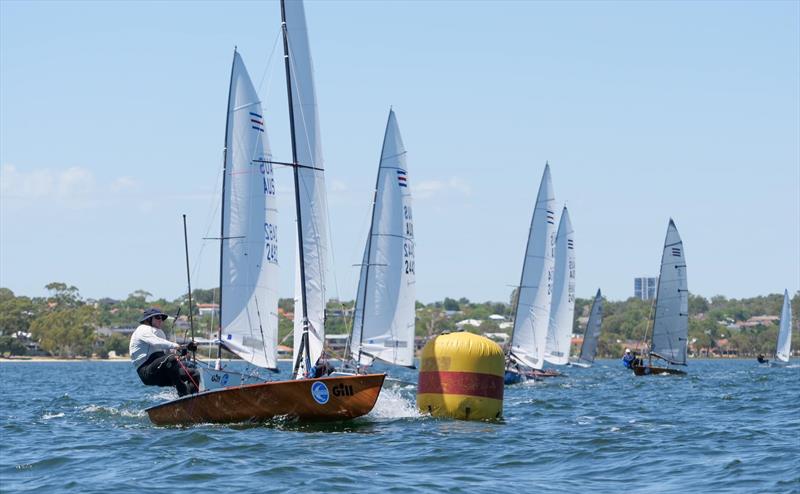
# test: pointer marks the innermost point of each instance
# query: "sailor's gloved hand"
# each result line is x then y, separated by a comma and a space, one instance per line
182, 351
192, 346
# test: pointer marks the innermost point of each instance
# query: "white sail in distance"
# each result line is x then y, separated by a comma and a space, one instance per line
671, 320
310, 186
592, 333
562, 306
384, 317
249, 257
532, 313
785, 330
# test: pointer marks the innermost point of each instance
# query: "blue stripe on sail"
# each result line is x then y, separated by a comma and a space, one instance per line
258, 128
256, 115
402, 185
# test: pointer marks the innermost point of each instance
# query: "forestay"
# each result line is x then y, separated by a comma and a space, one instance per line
589, 346
785, 331
532, 314
249, 257
384, 319
310, 187
562, 307
671, 322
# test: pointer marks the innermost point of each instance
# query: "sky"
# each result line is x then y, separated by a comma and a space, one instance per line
112, 119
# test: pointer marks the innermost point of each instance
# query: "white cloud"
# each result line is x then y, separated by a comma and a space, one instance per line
74, 187
338, 186
434, 188
124, 183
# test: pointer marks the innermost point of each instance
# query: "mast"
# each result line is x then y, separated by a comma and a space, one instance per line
304, 347
188, 276
222, 205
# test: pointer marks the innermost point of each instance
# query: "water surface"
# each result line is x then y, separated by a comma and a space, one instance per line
729, 426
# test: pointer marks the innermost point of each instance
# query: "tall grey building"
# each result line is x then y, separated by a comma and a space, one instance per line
644, 288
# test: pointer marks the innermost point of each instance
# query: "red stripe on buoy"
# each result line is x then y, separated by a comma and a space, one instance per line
461, 383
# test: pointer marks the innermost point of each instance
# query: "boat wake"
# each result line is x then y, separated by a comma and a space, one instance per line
103, 411
394, 403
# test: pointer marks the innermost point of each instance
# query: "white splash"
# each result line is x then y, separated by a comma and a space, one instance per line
48, 416
392, 404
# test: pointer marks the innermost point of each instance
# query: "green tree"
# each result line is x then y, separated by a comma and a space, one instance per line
450, 304
16, 313
62, 295
12, 346
67, 332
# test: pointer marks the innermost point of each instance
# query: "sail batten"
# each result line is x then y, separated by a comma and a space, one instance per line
671, 320
783, 349
384, 317
249, 255
562, 307
532, 311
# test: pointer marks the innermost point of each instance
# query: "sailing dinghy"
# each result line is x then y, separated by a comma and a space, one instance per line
591, 335
525, 352
384, 313
671, 320
249, 263
562, 306
784, 348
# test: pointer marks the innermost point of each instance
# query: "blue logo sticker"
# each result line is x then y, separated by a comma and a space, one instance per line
320, 392
225, 379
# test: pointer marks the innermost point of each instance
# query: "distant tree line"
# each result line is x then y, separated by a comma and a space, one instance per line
64, 324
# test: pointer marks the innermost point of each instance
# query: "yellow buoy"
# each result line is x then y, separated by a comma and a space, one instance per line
461, 376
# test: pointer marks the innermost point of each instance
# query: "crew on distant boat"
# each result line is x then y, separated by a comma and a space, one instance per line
157, 359
761, 359
629, 358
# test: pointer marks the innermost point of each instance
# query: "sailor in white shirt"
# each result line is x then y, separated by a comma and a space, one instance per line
157, 359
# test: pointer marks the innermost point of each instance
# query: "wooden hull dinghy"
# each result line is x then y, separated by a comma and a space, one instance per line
313, 400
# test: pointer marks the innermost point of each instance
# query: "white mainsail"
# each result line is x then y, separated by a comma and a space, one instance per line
589, 346
671, 320
249, 257
562, 307
384, 319
785, 331
309, 186
532, 314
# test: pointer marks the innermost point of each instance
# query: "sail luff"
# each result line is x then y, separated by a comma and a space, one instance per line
671, 320
384, 322
783, 349
248, 258
590, 336
562, 307
532, 311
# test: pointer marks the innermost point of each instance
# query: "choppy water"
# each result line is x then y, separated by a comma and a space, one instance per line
730, 426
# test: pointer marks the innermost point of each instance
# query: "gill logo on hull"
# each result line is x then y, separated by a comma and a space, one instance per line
319, 391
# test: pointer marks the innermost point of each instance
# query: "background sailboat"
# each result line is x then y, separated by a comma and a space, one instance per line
671, 320
592, 333
525, 352
784, 348
384, 318
562, 307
